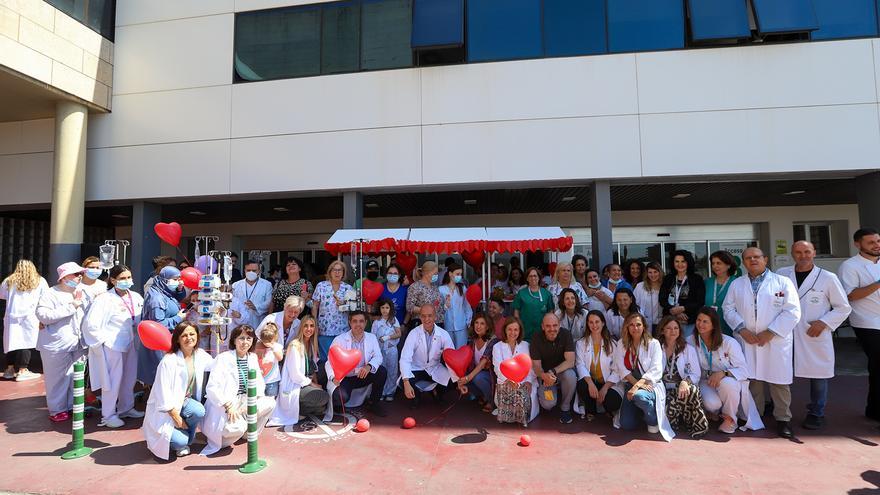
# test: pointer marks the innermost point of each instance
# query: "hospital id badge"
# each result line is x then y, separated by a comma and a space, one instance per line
548, 395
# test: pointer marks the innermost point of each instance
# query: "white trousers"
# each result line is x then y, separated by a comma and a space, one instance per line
724, 399
117, 382
232, 432
58, 377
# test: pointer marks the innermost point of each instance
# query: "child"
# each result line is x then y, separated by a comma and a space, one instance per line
386, 328
269, 354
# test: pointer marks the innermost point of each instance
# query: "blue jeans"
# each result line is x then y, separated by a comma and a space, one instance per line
192, 413
687, 331
640, 408
272, 389
818, 396
482, 386
324, 342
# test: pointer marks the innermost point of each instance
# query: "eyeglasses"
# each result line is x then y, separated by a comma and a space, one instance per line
337, 270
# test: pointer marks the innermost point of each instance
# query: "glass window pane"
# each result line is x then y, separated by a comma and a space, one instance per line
698, 249
574, 27
799, 233
340, 38
820, 236
100, 17
638, 25
504, 29
784, 16
641, 252
73, 8
849, 19
278, 43
387, 34
718, 19
438, 23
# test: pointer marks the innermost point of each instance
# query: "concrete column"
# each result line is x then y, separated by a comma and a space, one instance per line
352, 210
69, 186
144, 242
868, 197
600, 223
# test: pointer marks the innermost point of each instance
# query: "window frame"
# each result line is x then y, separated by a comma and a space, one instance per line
828, 225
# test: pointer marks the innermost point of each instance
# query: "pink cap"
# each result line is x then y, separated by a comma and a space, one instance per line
69, 268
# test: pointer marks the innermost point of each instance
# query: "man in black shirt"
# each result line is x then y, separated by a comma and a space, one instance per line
552, 352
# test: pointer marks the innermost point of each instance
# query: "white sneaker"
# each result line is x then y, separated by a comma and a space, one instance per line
112, 422
183, 452
653, 429
9, 374
24, 376
132, 413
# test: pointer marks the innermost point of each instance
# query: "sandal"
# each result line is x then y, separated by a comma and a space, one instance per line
487, 408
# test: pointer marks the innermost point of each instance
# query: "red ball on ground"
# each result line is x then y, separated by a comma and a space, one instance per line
525, 440
362, 425
409, 423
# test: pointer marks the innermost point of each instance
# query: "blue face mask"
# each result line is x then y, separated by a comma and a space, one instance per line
93, 273
124, 284
434, 278
457, 279
393, 278
173, 284
73, 284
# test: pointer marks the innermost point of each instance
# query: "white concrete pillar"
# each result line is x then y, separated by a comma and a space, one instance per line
69, 185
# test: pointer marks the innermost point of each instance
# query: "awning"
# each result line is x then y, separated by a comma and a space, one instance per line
445, 240
452, 240
511, 239
377, 241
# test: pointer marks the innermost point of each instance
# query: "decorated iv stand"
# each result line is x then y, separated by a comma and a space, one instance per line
113, 252
213, 301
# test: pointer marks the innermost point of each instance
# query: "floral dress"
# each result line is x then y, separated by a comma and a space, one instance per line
285, 289
331, 321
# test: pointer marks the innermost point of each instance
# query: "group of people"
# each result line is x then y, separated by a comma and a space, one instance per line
670, 353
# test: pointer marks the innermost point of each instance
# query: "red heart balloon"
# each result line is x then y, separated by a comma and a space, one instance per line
407, 262
371, 290
191, 277
343, 361
474, 294
551, 268
516, 368
154, 335
474, 258
169, 232
265, 366
459, 359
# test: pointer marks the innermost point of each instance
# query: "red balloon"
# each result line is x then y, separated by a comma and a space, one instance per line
407, 262
362, 425
474, 258
191, 277
169, 232
516, 368
154, 335
525, 440
551, 268
459, 359
342, 361
372, 290
474, 295
409, 423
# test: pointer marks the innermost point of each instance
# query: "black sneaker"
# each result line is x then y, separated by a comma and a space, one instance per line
377, 409
565, 417
784, 430
813, 422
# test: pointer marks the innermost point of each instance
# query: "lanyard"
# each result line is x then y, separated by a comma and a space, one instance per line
706, 353
246, 295
678, 288
540, 296
128, 305
569, 322
633, 358
814, 283
715, 291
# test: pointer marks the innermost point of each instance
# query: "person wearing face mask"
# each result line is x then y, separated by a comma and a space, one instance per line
599, 297
456, 308
372, 270
160, 305
91, 284
615, 280
251, 297
422, 292
61, 310
108, 330
396, 292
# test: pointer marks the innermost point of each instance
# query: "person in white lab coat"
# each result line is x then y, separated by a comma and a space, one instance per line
108, 331
369, 370
639, 363
681, 378
571, 313
647, 294
21, 290
286, 320
226, 409
300, 393
763, 309
251, 297
61, 310
824, 306
724, 375
421, 357
594, 361
599, 297
174, 409
91, 284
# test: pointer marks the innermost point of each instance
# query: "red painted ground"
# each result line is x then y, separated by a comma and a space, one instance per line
464, 452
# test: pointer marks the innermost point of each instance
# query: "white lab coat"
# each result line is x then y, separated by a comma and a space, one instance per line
287, 334
223, 388
649, 303
372, 355
293, 378
169, 392
651, 360
501, 352
584, 358
94, 290
576, 325
414, 355
729, 357
687, 363
776, 308
822, 298
20, 324
109, 323
457, 316
260, 294
594, 303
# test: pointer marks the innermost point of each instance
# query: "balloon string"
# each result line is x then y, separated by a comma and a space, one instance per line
342, 402
183, 254
443, 412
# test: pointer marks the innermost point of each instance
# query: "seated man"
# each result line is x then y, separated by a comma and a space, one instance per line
553, 360
369, 370
421, 360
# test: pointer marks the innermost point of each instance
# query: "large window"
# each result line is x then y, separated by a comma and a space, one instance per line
818, 233
98, 15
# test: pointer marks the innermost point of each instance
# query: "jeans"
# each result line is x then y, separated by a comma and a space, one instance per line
562, 390
818, 397
192, 413
272, 389
641, 407
687, 331
459, 337
482, 386
324, 343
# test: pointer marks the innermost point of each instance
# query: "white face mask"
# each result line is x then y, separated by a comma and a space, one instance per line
251, 276
614, 280
595, 286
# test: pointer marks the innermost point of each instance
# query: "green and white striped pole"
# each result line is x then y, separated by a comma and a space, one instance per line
79, 405
254, 463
